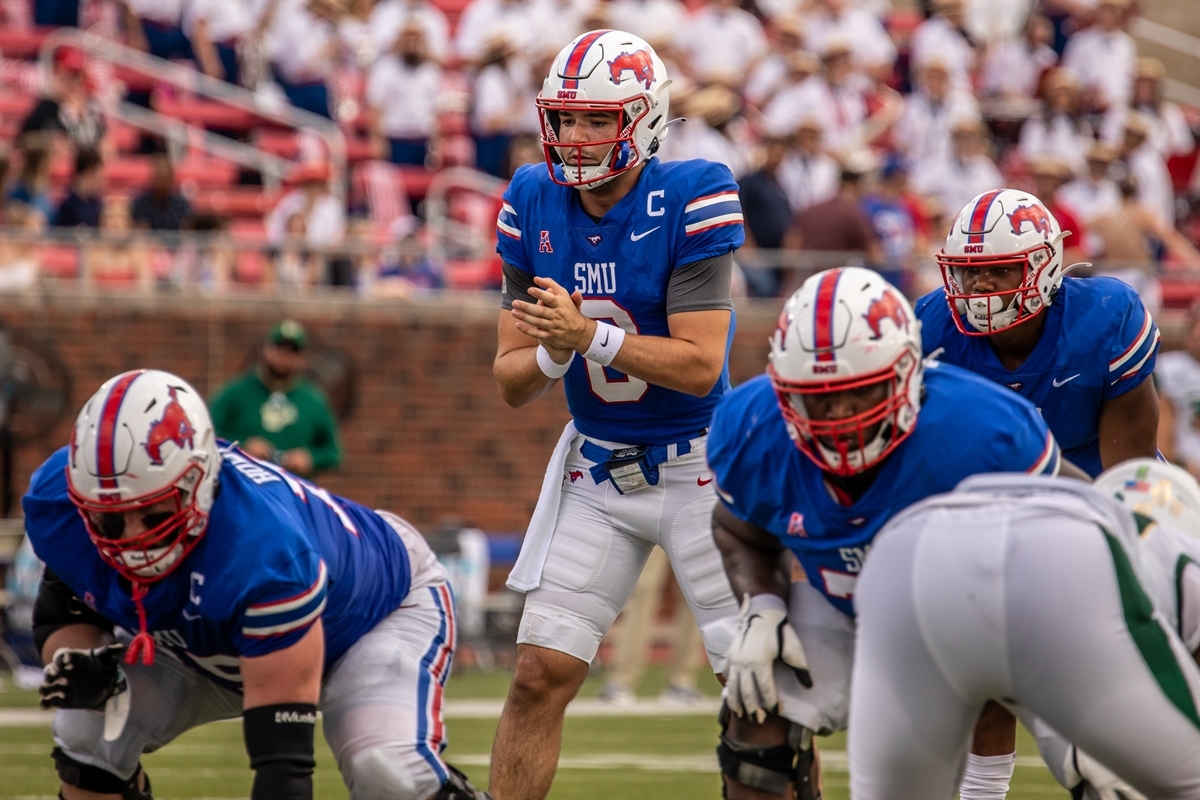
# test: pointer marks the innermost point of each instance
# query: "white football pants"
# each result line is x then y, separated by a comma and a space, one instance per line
601, 541
1017, 603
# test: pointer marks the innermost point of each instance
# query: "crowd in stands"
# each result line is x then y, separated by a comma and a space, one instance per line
852, 126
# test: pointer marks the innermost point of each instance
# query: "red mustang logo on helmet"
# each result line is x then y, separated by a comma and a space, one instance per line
174, 426
638, 63
1033, 214
886, 307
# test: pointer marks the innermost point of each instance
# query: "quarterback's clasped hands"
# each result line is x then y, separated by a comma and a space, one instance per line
556, 320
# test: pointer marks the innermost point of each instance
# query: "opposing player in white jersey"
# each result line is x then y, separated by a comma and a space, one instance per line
1165, 501
616, 280
1043, 594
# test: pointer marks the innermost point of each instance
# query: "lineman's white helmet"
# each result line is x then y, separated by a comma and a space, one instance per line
144, 437
609, 71
1002, 228
1163, 492
844, 329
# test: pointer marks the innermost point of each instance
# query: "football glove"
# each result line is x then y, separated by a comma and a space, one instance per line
763, 636
82, 678
1091, 780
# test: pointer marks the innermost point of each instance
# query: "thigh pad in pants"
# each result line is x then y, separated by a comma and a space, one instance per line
827, 636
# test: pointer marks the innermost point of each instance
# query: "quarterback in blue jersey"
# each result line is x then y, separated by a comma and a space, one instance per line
848, 428
617, 273
1080, 349
188, 582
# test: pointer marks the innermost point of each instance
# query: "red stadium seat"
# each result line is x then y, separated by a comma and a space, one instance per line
16, 106
59, 261
22, 44
206, 113
235, 201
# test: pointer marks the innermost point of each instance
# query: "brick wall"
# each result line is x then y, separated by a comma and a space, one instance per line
428, 436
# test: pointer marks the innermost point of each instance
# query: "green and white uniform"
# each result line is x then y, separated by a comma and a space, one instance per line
1036, 592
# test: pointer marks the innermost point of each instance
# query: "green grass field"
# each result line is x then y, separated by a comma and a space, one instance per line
603, 758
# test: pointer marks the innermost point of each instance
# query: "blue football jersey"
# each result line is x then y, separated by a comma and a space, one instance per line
1099, 342
278, 553
678, 213
966, 426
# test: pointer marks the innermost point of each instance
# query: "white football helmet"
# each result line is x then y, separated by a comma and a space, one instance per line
1002, 228
608, 71
145, 437
847, 329
1163, 492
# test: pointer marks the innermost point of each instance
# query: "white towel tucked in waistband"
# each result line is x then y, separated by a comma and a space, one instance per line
527, 572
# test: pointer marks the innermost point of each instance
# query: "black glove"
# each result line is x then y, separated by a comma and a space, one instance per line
82, 678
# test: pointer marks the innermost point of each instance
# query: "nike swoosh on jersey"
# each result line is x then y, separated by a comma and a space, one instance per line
702, 482
1058, 383
637, 237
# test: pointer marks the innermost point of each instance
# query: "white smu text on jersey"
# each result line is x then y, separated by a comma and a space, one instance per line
677, 214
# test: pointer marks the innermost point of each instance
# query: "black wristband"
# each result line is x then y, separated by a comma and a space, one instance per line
279, 741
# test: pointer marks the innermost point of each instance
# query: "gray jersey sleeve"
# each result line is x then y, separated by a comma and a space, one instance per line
703, 285
515, 286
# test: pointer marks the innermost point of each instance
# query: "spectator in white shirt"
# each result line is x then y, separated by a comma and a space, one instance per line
301, 43
807, 174
943, 36
656, 21
156, 26
721, 43
836, 96
1015, 67
778, 68
215, 28
402, 97
500, 93
389, 17
324, 217
1095, 194
525, 24
961, 174
706, 131
1060, 129
1103, 56
1155, 192
923, 131
1170, 133
873, 50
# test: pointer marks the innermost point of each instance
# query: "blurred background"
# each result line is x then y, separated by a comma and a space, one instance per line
181, 181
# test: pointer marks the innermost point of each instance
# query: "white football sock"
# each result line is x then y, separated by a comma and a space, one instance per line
987, 777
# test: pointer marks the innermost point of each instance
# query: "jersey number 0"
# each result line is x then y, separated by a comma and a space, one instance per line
626, 389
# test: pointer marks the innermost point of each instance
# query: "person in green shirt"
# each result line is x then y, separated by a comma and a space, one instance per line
274, 413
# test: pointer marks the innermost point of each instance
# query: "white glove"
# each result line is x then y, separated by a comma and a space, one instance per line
763, 635
1098, 782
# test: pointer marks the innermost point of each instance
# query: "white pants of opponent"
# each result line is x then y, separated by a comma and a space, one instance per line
600, 542
1031, 599
381, 702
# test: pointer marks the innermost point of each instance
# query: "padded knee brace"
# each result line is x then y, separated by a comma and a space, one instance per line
769, 768
93, 779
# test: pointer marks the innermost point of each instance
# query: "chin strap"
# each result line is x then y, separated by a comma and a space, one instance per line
142, 643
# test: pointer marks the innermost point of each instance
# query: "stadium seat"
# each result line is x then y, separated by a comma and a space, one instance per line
59, 261
206, 113
22, 44
235, 201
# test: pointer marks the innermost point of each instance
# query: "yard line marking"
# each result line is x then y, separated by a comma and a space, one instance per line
831, 761
463, 709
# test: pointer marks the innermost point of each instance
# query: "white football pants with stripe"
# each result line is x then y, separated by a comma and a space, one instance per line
1026, 591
